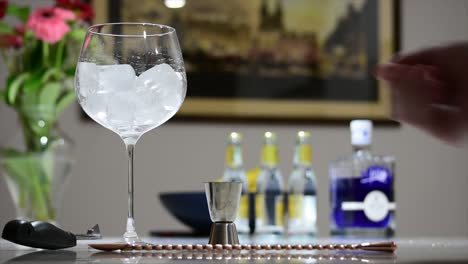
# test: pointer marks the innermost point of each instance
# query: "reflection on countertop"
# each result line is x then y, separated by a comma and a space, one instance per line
422, 250
61, 256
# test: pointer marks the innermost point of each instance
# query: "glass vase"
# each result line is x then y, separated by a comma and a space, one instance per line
37, 178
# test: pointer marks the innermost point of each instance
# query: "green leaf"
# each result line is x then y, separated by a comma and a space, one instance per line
52, 72
21, 12
47, 164
3, 94
17, 169
9, 152
34, 82
50, 93
28, 102
10, 79
70, 71
64, 102
14, 87
5, 28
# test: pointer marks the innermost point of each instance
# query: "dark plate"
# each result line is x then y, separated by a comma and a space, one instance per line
190, 208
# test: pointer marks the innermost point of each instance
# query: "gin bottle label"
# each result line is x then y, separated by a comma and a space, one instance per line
365, 201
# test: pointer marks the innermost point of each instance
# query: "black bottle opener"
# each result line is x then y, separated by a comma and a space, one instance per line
38, 234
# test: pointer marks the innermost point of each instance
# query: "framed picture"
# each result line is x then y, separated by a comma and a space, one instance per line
276, 59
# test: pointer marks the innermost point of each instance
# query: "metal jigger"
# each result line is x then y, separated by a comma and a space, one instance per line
223, 203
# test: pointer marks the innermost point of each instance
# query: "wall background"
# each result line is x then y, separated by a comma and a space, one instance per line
431, 184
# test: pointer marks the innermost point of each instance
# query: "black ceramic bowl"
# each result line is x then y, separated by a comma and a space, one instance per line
190, 208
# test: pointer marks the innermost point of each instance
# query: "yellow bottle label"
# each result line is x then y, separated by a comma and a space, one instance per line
252, 176
295, 202
270, 155
259, 206
244, 207
279, 210
305, 153
230, 155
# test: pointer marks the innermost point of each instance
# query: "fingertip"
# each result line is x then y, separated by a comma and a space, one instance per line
387, 71
395, 58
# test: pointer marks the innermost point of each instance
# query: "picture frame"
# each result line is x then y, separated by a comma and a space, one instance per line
275, 74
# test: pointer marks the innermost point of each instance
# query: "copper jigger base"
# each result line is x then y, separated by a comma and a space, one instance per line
223, 233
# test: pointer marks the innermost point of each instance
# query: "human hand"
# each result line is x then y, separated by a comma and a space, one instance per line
429, 90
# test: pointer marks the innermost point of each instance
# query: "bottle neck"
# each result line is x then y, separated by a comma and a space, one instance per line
303, 155
270, 155
234, 156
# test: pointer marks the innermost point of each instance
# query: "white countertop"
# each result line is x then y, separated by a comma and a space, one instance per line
417, 250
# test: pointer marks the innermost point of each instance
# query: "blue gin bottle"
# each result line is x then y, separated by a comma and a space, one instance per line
361, 188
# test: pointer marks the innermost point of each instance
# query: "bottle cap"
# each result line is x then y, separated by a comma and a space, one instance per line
303, 137
235, 137
269, 137
361, 132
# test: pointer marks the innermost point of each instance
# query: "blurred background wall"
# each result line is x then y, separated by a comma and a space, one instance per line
431, 184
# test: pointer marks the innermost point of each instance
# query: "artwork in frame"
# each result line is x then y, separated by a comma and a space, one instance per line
276, 59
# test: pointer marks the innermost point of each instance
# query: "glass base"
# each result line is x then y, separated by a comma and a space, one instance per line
135, 241
132, 238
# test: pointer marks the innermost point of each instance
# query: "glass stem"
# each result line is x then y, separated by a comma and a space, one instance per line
130, 234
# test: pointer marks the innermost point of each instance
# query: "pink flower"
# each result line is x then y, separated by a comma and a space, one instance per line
83, 10
49, 24
64, 14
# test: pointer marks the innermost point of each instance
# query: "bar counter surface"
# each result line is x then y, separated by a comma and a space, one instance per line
410, 250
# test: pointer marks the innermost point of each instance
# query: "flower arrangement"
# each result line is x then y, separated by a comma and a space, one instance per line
39, 50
